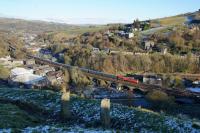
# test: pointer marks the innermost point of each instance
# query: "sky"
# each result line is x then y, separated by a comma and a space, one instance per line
95, 11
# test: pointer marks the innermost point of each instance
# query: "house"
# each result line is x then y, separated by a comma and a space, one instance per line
27, 78
152, 79
45, 51
55, 78
43, 70
95, 50
29, 62
148, 45
129, 35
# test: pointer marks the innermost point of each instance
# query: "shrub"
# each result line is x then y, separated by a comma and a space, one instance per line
161, 101
178, 83
4, 73
78, 78
158, 96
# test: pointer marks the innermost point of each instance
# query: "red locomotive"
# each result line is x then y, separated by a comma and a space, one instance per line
131, 80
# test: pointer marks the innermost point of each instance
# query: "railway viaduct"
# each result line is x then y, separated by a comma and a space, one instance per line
107, 77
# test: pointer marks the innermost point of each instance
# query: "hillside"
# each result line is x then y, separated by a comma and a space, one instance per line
85, 112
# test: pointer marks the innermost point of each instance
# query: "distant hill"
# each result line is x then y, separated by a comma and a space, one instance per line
20, 25
11, 24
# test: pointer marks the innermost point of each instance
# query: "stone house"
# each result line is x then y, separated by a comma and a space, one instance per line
29, 62
152, 79
43, 70
148, 45
55, 78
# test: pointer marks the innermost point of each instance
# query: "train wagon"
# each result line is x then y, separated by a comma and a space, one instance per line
102, 74
131, 80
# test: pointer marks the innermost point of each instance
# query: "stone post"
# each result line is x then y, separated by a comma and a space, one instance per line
105, 113
65, 105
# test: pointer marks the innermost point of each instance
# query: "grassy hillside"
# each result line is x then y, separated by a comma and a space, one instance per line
170, 21
176, 20
87, 113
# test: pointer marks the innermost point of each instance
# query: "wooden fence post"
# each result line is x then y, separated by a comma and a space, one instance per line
105, 113
65, 105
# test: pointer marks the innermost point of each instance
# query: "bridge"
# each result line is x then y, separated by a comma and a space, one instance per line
112, 78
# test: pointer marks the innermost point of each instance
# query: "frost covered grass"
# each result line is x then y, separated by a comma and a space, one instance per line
13, 117
64, 129
87, 112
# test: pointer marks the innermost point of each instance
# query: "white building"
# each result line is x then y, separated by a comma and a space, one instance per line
20, 71
26, 77
129, 35
95, 50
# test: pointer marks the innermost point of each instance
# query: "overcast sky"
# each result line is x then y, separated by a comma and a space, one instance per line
95, 11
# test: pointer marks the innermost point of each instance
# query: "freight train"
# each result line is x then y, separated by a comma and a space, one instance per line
118, 77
